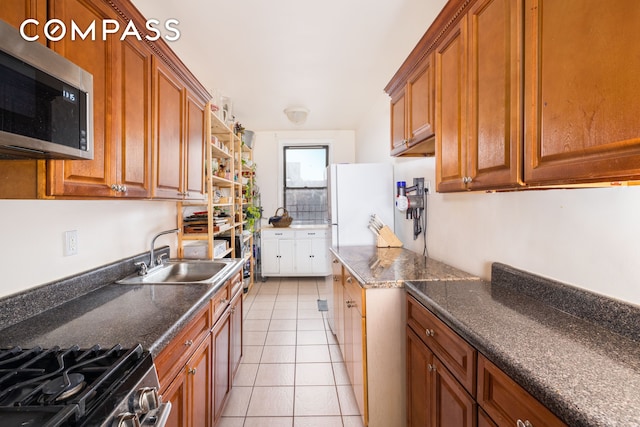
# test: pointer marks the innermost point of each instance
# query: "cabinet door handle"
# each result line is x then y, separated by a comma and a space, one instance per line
349, 279
192, 371
188, 343
432, 368
526, 423
429, 332
335, 261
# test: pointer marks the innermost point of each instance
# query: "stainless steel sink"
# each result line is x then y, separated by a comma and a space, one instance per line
181, 271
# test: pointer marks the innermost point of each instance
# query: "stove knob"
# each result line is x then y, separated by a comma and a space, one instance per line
145, 400
126, 419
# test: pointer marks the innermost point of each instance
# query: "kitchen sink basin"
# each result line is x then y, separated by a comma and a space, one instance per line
181, 271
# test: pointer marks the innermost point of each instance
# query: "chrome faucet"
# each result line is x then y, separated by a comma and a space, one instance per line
153, 262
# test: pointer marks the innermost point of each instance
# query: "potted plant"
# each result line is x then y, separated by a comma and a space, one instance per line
253, 213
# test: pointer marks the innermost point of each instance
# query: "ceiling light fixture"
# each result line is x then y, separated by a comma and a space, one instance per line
297, 115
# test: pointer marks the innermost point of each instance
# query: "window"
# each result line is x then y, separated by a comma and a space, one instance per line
305, 183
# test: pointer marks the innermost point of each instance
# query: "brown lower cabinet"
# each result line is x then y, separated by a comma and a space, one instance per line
355, 356
196, 368
351, 333
484, 420
190, 391
507, 403
236, 330
369, 325
445, 374
176, 394
435, 397
221, 339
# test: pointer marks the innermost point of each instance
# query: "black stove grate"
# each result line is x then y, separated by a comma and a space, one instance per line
66, 387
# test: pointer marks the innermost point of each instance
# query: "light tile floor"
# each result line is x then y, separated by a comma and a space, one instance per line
292, 373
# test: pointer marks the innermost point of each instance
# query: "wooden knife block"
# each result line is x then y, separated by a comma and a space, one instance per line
386, 239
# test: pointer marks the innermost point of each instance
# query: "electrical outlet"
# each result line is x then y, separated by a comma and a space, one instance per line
427, 187
70, 242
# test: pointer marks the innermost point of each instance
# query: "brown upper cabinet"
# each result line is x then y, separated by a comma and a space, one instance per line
178, 137
412, 112
581, 94
478, 101
122, 110
195, 134
130, 148
16, 11
530, 93
451, 107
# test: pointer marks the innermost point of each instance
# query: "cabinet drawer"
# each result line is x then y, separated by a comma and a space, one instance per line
484, 420
456, 354
174, 356
219, 302
278, 234
311, 234
506, 402
356, 293
235, 285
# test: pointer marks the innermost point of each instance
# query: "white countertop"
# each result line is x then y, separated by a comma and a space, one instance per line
267, 226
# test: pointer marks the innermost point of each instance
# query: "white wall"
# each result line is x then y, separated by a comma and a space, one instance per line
32, 236
32, 232
584, 237
267, 154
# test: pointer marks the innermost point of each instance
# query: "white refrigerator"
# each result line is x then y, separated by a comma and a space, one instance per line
356, 191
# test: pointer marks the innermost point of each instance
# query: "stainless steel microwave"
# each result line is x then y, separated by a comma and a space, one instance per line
46, 102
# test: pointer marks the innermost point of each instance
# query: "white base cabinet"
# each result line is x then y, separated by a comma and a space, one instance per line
278, 255
291, 252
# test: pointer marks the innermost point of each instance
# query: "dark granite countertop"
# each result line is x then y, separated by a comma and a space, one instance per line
110, 314
113, 314
575, 351
585, 373
391, 267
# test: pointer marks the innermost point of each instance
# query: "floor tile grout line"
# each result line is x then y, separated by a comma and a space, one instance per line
327, 345
295, 365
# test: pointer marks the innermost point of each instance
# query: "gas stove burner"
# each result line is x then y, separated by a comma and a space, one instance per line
76, 387
64, 387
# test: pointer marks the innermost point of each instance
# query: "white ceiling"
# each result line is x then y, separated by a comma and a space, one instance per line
333, 57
